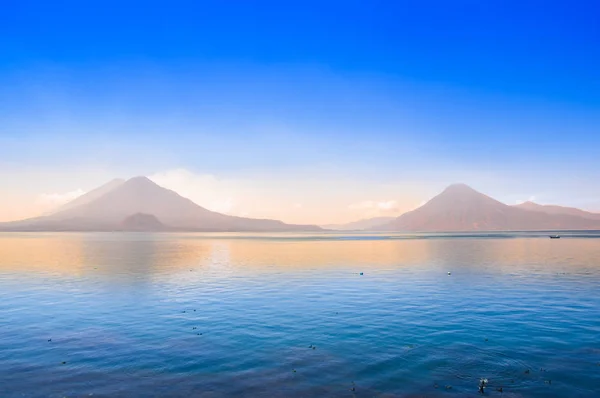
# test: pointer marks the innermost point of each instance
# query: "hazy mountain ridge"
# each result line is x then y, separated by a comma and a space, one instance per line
90, 196
139, 204
554, 209
358, 225
139, 195
459, 208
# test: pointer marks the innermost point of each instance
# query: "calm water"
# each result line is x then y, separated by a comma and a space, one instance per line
142, 315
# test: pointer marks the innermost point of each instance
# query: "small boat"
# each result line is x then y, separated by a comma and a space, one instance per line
554, 236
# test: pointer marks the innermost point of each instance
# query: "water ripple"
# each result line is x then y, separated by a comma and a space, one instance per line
291, 316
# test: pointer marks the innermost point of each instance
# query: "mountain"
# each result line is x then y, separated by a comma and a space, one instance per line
461, 208
91, 195
142, 222
365, 223
138, 196
552, 209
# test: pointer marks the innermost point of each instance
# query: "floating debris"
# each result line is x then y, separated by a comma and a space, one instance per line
64, 362
527, 372
294, 370
482, 385
548, 382
449, 273
49, 340
448, 387
499, 389
435, 385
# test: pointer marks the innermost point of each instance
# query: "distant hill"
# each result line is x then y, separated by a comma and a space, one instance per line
553, 209
142, 222
138, 196
461, 208
365, 223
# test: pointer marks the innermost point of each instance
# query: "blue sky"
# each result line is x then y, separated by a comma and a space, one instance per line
414, 95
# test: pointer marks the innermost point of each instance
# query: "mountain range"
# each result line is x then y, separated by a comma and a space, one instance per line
552, 209
365, 223
139, 204
459, 208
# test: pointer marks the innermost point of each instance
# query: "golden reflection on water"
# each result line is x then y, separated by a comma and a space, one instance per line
26, 253
79, 254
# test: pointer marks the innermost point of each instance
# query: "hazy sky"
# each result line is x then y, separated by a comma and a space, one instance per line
305, 111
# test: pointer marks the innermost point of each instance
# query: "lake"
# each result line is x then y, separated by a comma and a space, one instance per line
299, 315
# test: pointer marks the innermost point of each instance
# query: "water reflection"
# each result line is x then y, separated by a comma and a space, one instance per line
233, 315
155, 254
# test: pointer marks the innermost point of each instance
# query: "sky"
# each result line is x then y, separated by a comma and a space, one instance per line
321, 112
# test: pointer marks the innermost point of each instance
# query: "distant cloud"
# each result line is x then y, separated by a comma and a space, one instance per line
388, 205
531, 199
224, 206
205, 190
375, 208
371, 204
51, 200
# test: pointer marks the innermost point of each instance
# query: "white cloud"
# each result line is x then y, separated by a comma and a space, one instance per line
372, 204
205, 190
387, 205
224, 206
290, 198
531, 199
375, 208
58, 199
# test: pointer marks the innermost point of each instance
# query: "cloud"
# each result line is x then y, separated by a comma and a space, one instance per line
375, 208
223, 206
371, 204
388, 205
205, 190
531, 199
58, 199
288, 197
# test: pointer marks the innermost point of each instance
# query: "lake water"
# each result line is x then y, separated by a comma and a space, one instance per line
170, 315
